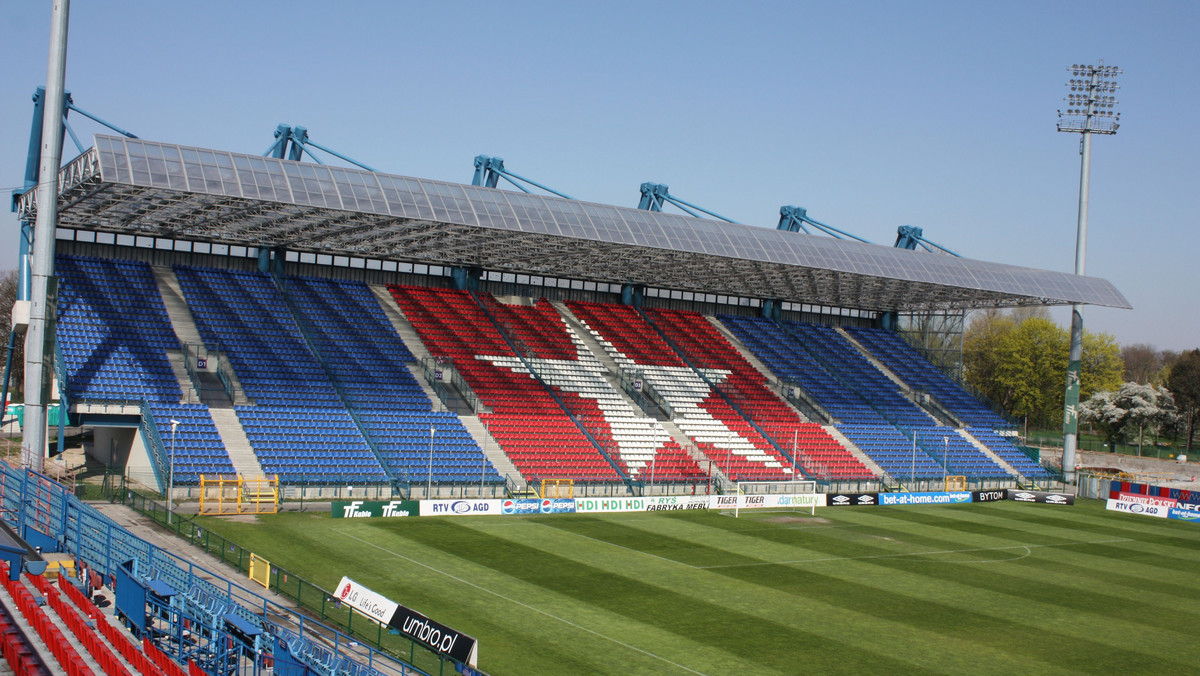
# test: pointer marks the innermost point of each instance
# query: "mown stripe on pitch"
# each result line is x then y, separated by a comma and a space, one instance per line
941, 619
753, 638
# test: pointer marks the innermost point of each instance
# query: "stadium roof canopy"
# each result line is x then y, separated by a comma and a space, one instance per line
135, 187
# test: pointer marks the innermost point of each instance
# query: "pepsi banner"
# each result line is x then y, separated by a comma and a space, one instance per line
989, 496
537, 506
1041, 497
852, 499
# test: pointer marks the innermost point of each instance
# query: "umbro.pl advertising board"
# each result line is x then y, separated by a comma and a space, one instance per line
437, 637
1041, 497
852, 499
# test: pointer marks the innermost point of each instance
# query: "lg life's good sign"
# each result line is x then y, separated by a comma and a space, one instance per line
375, 606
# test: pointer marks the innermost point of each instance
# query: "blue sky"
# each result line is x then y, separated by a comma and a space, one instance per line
869, 114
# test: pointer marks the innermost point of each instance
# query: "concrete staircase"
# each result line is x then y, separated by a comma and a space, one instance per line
185, 329
854, 450
236, 444
399, 322
179, 368
491, 448
905, 390
989, 453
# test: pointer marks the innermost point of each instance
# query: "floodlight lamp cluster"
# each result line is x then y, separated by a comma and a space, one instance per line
1092, 100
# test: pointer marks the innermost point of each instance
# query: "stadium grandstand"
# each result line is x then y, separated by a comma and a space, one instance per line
227, 317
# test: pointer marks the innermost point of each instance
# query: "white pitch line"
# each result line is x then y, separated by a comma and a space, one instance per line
893, 556
523, 605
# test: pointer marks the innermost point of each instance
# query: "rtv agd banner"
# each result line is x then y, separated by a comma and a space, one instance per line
435, 636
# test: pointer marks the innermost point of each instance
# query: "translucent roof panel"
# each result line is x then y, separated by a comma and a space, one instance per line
144, 187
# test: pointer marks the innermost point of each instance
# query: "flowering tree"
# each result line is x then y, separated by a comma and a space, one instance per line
1133, 408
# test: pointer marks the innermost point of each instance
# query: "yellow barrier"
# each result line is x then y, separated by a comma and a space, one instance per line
222, 495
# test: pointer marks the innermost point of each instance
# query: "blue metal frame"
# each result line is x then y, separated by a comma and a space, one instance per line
291, 142
910, 237
655, 194
795, 219
489, 171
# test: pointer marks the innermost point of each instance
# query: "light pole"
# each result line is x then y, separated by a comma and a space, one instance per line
912, 470
1089, 111
171, 474
429, 476
483, 460
945, 460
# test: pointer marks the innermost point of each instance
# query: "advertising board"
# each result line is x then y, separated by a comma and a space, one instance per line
1142, 508
358, 509
435, 636
1147, 499
1184, 514
924, 498
537, 506
460, 507
1041, 497
375, 606
989, 496
806, 500
668, 503
611, 504
852, 499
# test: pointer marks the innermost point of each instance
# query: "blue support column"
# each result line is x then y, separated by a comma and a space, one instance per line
889, 321
632, 294
264, 261
773, 309
466, 278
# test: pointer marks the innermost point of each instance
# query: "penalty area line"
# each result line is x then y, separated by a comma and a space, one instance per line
519, 603
926, 553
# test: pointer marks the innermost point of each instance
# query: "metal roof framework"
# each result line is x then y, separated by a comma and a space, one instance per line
137, 187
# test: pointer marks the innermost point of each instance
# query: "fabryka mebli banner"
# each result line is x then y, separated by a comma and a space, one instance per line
433, 635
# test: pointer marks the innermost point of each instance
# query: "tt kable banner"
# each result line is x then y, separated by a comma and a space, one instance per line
435, 636
668, 503
1142, 508
611, 504
1147, 499
375, 606
766, 501
949, 498
359, 509
989, 496
1042, 497
1192, 515
852, 499
537, 506
460, 507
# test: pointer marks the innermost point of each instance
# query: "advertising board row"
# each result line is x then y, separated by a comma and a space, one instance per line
1163, 508
947, 498
531, 506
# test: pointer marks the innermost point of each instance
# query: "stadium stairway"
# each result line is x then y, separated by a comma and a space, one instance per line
854, 450
991, 454
184, 325
237, 445
941, 414
492, 449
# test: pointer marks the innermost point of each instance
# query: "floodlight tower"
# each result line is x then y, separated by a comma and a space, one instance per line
1089, 111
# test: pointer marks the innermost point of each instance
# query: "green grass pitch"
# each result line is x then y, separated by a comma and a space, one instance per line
1003, 588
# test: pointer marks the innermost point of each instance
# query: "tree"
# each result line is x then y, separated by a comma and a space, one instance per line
1184, 382
8, 296
1143, 363
1132, 408
1019, 361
